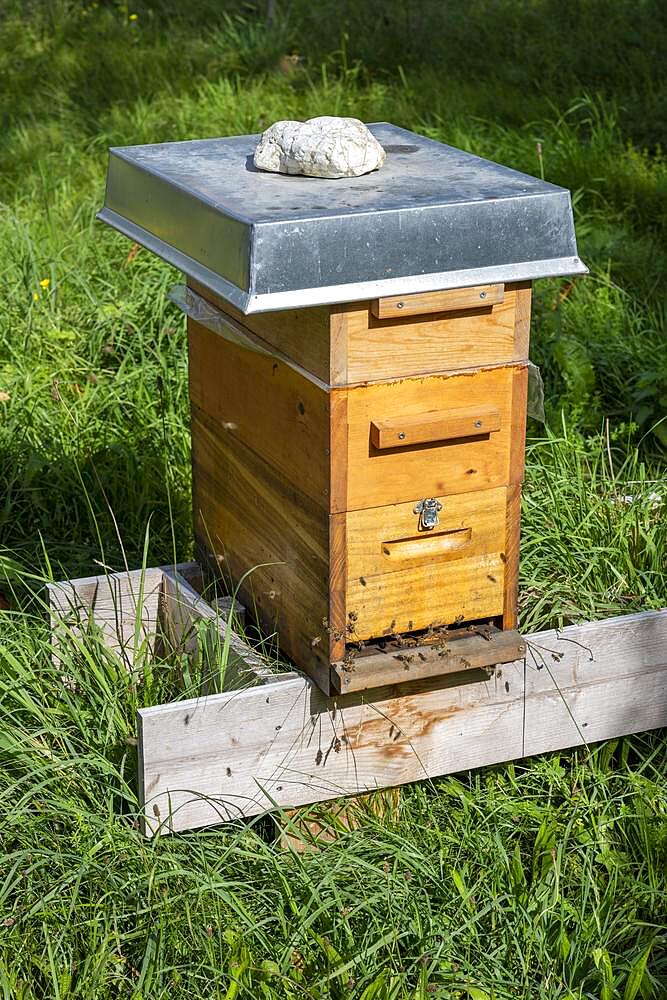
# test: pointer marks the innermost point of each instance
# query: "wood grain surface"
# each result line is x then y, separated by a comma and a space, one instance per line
402, 579
346, 344
380, 349
524, 291
513, 512
449, 300
264, 404
435, 592
301, 334
266, 536
435, 425
383, 476
411, 663
286, 744
115, 602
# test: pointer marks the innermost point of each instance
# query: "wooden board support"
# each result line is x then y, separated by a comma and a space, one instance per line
274, 740
151, 611
231, 755
124, 607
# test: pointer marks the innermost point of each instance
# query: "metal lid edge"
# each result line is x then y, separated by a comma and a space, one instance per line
332, 294
232, 293
354, 292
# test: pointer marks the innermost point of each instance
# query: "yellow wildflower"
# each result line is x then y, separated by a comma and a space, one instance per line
35, 296
45, 282
134, 17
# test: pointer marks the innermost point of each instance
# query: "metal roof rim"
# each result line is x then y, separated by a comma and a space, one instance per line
552, 267
171, 182
176, 258
409, 208
253, 302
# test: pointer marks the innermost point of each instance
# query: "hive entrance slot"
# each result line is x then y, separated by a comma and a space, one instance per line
472, 650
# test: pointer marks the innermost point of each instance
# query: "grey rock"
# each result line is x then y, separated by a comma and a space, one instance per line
321, 147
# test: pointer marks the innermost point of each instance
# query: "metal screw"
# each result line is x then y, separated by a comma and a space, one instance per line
482, 295
399, 305
478, 423
401, 435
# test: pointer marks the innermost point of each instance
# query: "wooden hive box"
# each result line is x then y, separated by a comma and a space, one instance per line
316, 435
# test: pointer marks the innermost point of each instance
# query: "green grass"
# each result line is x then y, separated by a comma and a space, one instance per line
543, 879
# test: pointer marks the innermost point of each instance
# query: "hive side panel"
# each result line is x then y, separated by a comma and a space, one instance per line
513, 513
524, 292
433, 594
388, 539
341, 321
512, 542
301, 334
267, 537
400, 579
337, 621
463, 465
432, 342
264, 404
338, 541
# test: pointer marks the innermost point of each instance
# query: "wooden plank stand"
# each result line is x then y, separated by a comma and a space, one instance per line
274, 741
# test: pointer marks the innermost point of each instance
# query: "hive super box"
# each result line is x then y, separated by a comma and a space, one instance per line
358, 376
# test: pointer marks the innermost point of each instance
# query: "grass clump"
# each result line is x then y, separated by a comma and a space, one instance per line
543, 879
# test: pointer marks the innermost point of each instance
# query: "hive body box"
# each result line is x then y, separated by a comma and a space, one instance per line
359, 399
308, 466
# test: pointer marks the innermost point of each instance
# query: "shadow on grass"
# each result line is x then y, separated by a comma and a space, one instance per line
92, 512
86, 59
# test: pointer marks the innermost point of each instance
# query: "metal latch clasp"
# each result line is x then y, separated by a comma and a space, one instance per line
428, 513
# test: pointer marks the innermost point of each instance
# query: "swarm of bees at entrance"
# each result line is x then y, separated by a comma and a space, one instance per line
407, 647
352, 647
348, 660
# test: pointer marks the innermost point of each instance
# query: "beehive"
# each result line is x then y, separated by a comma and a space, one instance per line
358, 356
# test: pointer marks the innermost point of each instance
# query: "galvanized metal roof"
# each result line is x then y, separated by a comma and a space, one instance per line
433, 217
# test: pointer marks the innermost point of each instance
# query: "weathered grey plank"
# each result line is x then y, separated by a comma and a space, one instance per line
183, 607
110, 602
170, 607
241, 753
